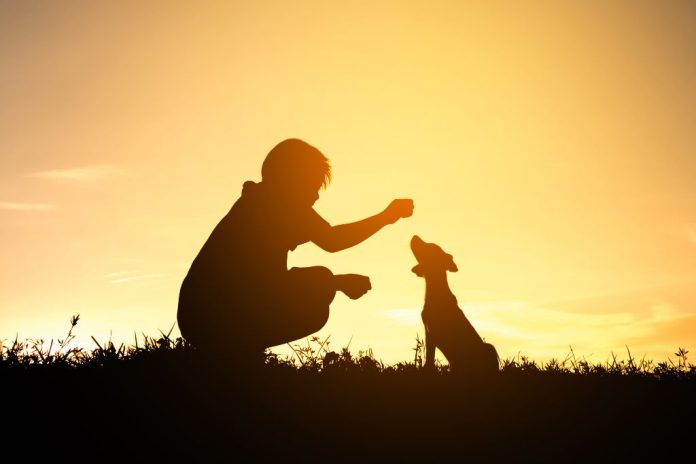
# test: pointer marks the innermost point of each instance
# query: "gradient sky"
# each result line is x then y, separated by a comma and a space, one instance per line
549, 146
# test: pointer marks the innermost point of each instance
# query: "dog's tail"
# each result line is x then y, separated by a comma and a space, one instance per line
491, 357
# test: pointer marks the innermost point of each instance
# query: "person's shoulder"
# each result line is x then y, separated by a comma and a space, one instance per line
251, 193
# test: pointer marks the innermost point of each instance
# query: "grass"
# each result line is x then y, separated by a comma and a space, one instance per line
159, 399
314, 355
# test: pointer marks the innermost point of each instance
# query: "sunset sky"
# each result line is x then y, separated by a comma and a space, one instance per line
550, 147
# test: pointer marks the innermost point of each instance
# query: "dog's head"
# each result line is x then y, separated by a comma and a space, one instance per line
431, 258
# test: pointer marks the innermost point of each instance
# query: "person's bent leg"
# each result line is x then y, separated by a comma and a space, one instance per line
301, 308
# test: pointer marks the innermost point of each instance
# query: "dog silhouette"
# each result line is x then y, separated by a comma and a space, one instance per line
446, 326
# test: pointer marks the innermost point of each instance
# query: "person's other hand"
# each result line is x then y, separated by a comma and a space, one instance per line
354, 285
398, 209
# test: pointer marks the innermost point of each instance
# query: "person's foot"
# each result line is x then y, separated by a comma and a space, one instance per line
353, 285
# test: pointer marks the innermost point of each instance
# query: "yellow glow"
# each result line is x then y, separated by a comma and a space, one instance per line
548, 147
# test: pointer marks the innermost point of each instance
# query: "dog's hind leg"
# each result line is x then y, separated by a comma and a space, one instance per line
492, 358
429, 349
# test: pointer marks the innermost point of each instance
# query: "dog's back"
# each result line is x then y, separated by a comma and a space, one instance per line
459, 341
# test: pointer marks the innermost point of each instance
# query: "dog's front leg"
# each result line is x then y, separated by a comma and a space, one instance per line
429, 349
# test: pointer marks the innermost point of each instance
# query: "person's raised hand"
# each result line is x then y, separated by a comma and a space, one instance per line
353, 285
398, 209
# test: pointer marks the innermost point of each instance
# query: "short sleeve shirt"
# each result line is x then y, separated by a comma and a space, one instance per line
252, 241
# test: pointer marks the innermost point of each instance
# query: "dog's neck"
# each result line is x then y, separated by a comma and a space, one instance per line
437, 291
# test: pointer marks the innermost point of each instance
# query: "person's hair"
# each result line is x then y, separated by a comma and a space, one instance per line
296, 158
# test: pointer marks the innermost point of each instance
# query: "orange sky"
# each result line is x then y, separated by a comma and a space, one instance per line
549, 146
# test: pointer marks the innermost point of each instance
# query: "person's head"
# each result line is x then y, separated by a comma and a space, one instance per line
297, 169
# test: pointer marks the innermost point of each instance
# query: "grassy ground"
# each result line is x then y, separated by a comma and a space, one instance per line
161, 400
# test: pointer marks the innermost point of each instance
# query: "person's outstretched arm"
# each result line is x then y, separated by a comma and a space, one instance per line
344, 236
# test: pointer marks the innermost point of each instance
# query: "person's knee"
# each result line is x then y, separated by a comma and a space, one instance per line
323, 272
314, 273
320, 281
325, 282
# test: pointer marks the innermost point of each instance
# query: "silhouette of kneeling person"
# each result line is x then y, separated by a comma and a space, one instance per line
238, 297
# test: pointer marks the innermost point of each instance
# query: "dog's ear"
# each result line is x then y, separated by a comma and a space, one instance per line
418, 270
450, 265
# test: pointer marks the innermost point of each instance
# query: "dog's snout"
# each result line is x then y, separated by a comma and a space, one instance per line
416, 241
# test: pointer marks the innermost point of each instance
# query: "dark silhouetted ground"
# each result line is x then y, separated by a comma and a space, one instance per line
160, 402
